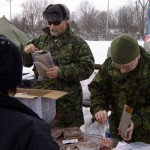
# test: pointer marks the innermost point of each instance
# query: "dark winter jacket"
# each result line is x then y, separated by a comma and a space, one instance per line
76, 62
111, 87
21, 128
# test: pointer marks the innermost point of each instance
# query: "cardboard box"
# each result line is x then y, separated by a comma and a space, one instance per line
43, 102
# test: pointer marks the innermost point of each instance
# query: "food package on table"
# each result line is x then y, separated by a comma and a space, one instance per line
56, 132
88, 145
71, 133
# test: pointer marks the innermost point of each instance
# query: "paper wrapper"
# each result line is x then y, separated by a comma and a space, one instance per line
125, 120
72, 132
56, 132
42, 60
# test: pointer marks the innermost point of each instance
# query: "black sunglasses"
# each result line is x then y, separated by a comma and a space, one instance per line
55, 23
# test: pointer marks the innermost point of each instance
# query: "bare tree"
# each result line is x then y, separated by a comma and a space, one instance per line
125, 18
32, 15
92, 22
86, 21
101, 21
31, 20
140, 10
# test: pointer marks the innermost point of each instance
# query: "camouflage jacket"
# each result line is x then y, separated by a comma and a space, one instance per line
70, 52
76, 62
110, 87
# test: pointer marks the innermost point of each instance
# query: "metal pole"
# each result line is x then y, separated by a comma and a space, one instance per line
107, 20
10, 8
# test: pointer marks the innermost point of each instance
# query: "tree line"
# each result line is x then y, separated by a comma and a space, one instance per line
87, 21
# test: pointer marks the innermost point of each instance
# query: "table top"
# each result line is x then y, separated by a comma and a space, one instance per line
88, 143
85, 142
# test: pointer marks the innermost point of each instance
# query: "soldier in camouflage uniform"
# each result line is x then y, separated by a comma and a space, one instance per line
73, 62
124, 79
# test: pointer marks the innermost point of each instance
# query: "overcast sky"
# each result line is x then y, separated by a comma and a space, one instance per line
71, 4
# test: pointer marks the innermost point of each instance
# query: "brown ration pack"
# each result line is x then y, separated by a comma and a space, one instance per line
72, 132
125, 119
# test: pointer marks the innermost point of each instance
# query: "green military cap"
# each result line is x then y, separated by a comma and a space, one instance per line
124, 49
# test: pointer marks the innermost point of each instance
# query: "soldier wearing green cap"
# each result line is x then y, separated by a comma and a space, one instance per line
124, 79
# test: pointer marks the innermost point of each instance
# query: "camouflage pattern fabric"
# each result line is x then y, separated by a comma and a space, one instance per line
110, 87
76, 62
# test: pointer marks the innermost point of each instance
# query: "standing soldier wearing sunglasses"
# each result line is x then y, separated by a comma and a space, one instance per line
73, 62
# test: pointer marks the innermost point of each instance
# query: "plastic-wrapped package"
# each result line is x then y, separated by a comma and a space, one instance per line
42, 60
72, 132
88, 145
132, 146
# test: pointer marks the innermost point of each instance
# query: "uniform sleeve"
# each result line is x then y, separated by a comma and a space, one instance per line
141, 115
81, 67
100, 91
27, 58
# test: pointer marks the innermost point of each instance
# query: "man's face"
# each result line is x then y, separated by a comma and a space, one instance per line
57, 28
125, 68
147, 38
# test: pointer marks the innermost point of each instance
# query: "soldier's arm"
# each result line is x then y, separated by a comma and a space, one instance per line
141, 114
100, 91
27, 57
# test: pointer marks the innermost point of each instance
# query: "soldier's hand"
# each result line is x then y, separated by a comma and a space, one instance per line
129, 132
52, 72
101, 116
30, 48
